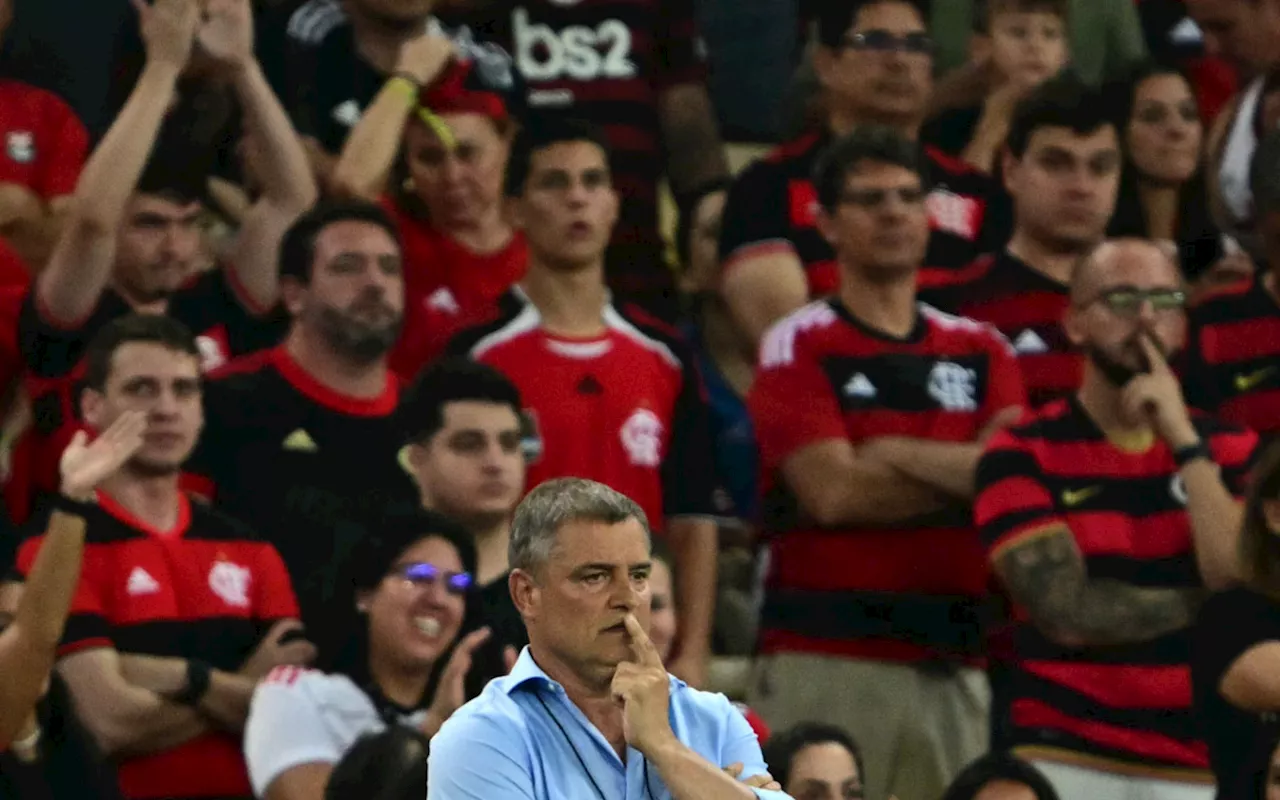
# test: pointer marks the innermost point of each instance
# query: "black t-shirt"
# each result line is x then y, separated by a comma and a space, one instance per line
1229, 625
952, 130
312, 470
492, 606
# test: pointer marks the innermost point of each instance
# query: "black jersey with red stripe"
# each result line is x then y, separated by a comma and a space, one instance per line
208, 590
607, 62
1123, 706
773, 206
1233, 357
211, 306
1026, 306
901, 593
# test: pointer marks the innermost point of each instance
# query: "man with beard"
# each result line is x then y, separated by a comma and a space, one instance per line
1061, 166
179, 610
1107, 516
302, 441
133, 241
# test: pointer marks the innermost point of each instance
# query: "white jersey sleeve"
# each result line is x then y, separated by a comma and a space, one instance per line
300, 716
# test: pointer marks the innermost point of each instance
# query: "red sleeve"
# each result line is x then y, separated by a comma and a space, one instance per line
68, 148
791, 402
1236, 451
87, 626
1005, 388
1011, 502
681, 54
274, 598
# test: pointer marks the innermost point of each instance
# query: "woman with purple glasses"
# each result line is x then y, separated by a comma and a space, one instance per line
411, 585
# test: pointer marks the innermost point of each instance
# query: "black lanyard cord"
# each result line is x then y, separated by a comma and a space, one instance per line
581, 762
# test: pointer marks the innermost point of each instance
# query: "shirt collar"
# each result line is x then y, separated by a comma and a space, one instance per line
527, 670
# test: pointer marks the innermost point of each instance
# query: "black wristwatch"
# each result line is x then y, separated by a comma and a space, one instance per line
199, 674
1192, 452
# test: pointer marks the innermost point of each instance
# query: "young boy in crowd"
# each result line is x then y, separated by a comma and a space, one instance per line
1023, 43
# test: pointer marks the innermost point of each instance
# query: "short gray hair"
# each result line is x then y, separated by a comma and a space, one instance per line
554, 504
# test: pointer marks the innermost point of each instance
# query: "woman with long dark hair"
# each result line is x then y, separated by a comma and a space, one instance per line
1163, 193
412, 581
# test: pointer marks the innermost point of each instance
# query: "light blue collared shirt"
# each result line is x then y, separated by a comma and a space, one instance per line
506, 745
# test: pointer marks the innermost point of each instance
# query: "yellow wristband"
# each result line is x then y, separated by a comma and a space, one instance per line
405, 86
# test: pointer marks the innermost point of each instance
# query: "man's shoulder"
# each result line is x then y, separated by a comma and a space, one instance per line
508, 320
787, 338
493, 717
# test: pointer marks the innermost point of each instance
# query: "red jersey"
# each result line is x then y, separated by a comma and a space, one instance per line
1121, 706
207, 590
1027, 307
773, 206
45, 145
446, 285
607, 62
905, 593
1232, 364
626, 408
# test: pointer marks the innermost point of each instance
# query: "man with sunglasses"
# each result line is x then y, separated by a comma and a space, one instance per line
870, 411
1107, 516
875, 62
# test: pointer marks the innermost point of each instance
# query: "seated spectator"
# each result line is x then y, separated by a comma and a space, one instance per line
1236, 651
1163, 194
1025, 43
465, 449
813, 761
131, 242
391, 765
179, 610
442, 133
1231, 366
581, 565
411, 584
1000, 776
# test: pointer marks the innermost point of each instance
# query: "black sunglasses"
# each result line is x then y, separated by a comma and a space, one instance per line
422, 574
881, 41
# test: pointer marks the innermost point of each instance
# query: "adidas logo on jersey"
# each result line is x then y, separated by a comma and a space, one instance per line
1029, 342
860, 386
140, 583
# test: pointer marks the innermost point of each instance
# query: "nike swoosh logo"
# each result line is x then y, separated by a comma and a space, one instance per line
1075, 498
1249, 381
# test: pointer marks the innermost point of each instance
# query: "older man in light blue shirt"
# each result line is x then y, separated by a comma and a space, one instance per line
589, 712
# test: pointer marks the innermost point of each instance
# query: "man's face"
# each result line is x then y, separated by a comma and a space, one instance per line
162, 383
473, 468
1244, 32
1130, 295
355, 298
596, 575
1064, 186
569, 205
880, 226
157, 247
884, 71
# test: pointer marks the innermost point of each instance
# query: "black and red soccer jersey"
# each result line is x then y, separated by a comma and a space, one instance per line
907, 592
208, 590
1233, 357
773, 206
1027, 307
606, 62
1127, 704
626, 408
314, 470
212, 307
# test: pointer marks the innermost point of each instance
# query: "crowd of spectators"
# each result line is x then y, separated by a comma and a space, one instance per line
404, 396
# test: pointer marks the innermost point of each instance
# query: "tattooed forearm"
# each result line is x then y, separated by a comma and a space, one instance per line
695, 155
1047, 576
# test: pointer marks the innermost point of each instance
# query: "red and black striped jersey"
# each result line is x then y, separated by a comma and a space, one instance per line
607, 62
208, 590
1124, 706
904, 593
1026, 306
626, 408
1232, 365
773, 206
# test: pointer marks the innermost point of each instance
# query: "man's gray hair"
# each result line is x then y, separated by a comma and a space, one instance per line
552, 505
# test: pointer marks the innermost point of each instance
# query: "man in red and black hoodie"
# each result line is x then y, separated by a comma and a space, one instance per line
875, 61
870, 410
133, 240
1107, 516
